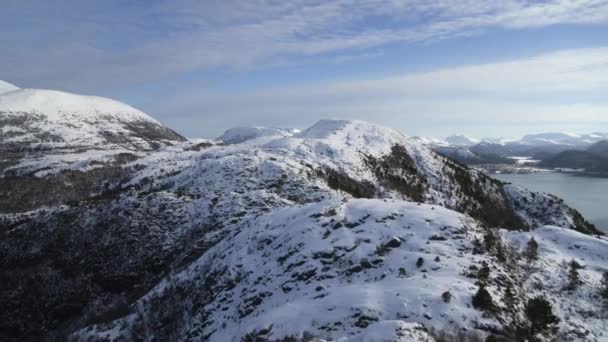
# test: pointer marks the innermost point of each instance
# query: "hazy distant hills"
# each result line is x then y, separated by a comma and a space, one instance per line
593, 160
461, 140
599, 148
554, 149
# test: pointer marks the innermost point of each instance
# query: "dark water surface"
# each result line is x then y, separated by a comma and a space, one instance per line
589, 195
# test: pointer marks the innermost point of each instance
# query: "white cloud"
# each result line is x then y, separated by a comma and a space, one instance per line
548, 89
171, 37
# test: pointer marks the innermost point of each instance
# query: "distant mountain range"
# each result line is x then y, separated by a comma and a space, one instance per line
592, 160
565, 150
462, 140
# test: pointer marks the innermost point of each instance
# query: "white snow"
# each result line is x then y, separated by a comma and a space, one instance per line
60, 106
461, 140
241, 134
71, 130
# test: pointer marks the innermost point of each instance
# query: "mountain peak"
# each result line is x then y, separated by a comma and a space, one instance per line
238, 135
326, 128
58, 105
461, 140
75, 131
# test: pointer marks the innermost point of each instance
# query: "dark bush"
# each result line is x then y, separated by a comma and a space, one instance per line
482, 300
540, 314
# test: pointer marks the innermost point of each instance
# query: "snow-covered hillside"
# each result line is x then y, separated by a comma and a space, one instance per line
73, 131
335, 270
343, 231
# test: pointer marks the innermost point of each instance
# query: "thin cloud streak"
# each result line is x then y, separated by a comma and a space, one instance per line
199, 35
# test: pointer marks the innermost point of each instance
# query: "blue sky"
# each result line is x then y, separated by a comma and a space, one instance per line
435, 67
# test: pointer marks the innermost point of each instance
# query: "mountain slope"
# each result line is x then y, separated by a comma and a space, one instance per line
332, 270
600, 148
584, 160
593, 160
86, 127
214, 242
79, 141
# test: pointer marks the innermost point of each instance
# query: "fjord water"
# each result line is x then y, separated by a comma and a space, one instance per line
589, 195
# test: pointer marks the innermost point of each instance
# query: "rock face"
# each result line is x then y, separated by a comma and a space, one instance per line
345, 230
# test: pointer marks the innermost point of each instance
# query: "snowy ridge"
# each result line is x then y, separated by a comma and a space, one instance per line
59, 106
71, 128
461, 140
238, 135
561, 138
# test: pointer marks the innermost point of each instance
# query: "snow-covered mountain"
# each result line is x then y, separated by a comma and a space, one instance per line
343, 231
241, 134
554, 139
496, 151
563, 138
79, 140
74, 128
461, 140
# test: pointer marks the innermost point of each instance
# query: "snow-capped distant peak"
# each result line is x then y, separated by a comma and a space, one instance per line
327, 128
558, 138
431, 141
461, 140
324, 128
57, 105
5, 87
238, 135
